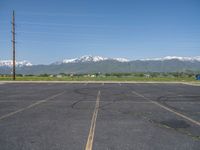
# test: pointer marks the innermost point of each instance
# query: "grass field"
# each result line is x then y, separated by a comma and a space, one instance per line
109, 78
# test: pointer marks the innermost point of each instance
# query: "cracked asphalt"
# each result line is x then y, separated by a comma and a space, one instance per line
139, 116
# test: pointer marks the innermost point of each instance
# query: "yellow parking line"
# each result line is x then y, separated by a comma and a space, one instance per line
168, 109
30, 106
90, 139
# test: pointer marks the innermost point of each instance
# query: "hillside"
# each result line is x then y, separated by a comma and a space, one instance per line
89, 64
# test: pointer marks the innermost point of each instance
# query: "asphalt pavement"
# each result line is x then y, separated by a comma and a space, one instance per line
99, 116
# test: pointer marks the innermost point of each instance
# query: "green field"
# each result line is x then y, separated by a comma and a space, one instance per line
107, 78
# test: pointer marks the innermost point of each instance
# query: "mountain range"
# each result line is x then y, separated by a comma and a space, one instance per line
93, 64
89, 58
9, 63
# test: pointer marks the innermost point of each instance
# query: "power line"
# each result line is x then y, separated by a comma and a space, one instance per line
13, 43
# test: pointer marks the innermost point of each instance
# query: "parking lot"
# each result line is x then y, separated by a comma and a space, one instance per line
99, 116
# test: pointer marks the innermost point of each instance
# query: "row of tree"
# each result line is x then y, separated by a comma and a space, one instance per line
139, 74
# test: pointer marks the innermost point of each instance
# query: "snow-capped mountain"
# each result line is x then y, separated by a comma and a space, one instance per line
121, 59
190, 59
85, 59
89, 58
107, 65
9, 63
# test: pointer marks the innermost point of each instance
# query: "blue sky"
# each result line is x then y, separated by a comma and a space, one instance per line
52, 30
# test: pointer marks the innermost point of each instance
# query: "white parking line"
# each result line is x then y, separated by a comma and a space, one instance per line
102, 84
168, 109
30, 106
120, 84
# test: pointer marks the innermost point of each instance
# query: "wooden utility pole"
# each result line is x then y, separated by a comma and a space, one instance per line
13, 43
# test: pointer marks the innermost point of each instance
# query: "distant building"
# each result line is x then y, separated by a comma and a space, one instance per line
59, 76
71, 74
93, 76
198, 77
147, 75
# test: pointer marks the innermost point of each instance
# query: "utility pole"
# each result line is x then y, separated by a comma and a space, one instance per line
13, 43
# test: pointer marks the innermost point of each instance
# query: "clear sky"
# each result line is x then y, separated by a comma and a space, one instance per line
51, 30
